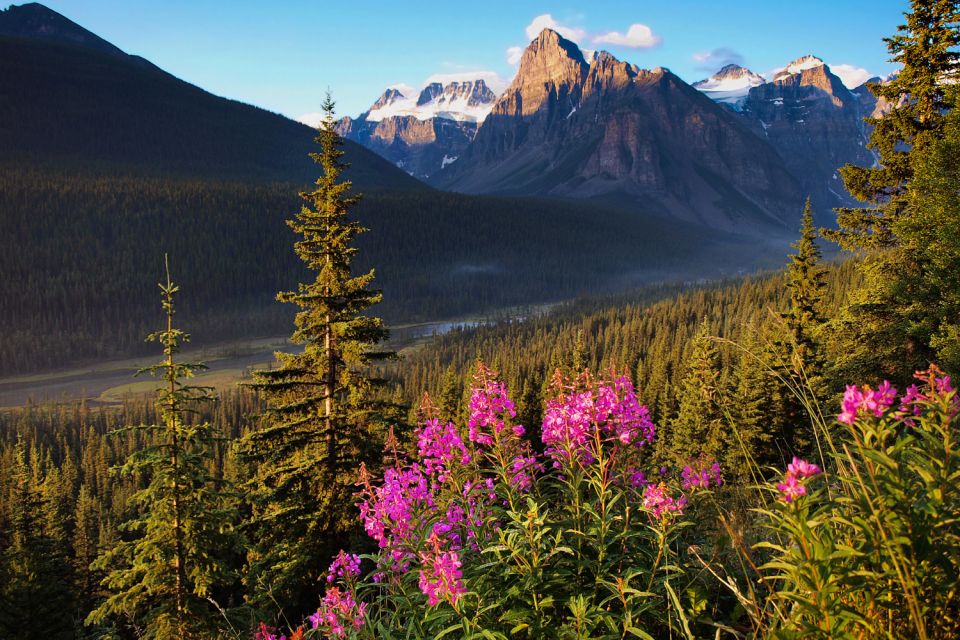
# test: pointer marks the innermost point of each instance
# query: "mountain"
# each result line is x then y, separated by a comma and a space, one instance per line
107, 164
816, 125
40, 23
610, 130
422, 133
70, 99
730, 85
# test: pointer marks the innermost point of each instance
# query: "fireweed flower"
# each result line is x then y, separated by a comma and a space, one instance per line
440, 577
345, 566
700, 475
338, 611
490, 409
866, 401
573, 422
658, 500
439, 448
392, 513
523, 470
802, 469
792, 486
267, 633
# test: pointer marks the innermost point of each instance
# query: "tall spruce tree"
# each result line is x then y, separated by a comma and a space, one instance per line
917, 100
36, 601
804, 319
323, 415
699, 427
797, 359
179, 547
928, 295
877, 335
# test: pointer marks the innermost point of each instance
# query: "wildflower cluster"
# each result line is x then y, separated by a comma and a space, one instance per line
578, 421
440, 577
700, 475
491, 409
864, 400
472, 507
657, 499
793, 486
439, 448
345, 566
338, 612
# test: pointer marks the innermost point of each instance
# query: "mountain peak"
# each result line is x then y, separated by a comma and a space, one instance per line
730, 85
38, 22
551, 44
799, 66
390, 96
466, 100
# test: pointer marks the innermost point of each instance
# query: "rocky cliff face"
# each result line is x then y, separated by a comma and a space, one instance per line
816, 125
608, 129
419, 147
422, 134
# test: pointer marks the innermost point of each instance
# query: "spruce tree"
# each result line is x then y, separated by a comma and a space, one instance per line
699, 427
797, 358
928, 294
804, 320
323, 416
36, 601
179, 546
878, 335
918, 99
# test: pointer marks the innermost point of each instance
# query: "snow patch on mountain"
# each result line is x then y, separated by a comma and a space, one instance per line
460, 100
798, 66
730, 85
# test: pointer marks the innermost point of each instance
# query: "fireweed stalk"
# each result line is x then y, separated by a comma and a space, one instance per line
478, 533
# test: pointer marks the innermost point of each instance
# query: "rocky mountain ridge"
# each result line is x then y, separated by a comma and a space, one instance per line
575, 127
610, 130
422, 133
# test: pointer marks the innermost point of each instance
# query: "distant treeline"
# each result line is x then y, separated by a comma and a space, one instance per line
85, 253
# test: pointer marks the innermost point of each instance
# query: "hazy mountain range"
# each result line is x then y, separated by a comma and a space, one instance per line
732, 151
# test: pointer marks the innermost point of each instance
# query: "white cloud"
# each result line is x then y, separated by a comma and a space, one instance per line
638, 36
851, 76
514, 54
546, 21
312, 119
719, 57
493, 79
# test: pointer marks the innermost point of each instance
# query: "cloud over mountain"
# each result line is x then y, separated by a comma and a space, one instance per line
638, 36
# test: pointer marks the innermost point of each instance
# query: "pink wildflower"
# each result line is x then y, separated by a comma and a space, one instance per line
701, 475
657, 499
338, 610
346, 566
441, 578
802, 469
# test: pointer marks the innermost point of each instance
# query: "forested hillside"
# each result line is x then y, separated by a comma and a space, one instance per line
91, 249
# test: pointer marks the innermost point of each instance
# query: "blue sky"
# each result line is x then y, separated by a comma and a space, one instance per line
283, 55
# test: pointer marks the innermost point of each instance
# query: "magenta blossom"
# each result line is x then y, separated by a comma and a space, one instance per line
440, 577
491, 409
792, 486
866, 401
657, 499
338, 611
440, 447
345, 566
701, 475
